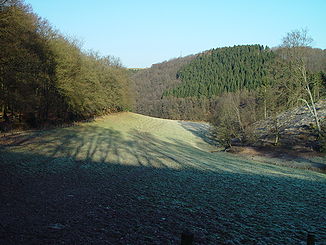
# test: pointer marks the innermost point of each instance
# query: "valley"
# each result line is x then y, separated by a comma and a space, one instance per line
128, 177
221, 142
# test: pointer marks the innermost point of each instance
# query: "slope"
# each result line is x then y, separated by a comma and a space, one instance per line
188, 88
149, 84
224, 70
128, 177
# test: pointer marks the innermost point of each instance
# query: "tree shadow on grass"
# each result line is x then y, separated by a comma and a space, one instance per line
95, 185
201, 130
276, 156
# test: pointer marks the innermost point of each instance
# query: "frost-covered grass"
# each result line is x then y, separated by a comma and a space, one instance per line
124, 138
167, 174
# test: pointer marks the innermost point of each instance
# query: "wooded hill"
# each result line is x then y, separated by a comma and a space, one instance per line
190, 87
46, 78
150, 84
234, 87
223, 70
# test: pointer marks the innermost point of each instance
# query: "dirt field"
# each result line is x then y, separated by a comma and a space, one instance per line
131, 179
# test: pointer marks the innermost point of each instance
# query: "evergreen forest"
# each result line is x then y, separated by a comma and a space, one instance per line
223, 70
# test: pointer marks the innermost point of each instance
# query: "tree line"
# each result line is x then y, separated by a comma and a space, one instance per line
46, 78
234, 87
297, 76
197, 82
149, 85
223, 70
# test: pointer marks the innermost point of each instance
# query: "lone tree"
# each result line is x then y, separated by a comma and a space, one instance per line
296, 44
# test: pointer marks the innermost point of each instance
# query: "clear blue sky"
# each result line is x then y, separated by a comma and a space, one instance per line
143, 32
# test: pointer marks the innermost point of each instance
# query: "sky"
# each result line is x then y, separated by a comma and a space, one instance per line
145, 32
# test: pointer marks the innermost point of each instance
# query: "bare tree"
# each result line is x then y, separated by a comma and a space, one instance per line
7, 3
296, 43
297, 38
234, 118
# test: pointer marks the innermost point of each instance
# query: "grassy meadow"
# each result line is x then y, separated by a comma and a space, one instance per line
133, 179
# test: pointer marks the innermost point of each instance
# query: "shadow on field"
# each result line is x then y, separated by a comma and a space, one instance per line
92, 185
273, 155
201, 130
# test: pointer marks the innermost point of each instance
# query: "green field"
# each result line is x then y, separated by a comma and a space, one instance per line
127, 177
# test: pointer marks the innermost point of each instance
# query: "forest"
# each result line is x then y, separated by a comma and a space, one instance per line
198, 81
235, 87
46, 78
223, 70
88, 154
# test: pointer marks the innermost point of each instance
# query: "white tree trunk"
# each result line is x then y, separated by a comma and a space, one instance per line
312, 106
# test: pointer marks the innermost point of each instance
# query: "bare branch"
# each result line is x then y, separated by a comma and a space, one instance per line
307, 104
297, 38
2, 2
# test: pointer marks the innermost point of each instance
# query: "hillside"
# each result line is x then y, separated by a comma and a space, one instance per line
224, 70
216, 144
298, 145
189, 88
114, 134
185, 88
127, 177
149, 85
294, 127
47, 78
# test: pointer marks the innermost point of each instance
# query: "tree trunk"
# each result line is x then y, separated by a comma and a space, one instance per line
265, 105
315, 115
277, 131
311, 108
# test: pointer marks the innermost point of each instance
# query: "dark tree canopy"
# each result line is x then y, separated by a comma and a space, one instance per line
223, 70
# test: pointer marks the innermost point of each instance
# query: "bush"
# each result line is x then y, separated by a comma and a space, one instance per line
234, 118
